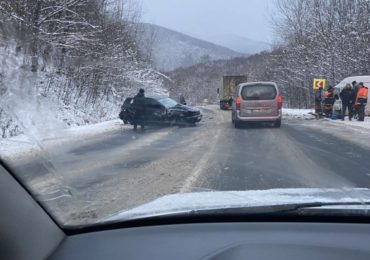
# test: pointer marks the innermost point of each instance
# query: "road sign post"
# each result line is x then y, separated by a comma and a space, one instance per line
318, 86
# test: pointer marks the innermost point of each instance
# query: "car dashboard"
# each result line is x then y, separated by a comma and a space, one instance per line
223, 241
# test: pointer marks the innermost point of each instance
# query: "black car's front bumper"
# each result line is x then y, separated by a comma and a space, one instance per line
194, 118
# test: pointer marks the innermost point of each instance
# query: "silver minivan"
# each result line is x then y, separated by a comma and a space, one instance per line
257, 102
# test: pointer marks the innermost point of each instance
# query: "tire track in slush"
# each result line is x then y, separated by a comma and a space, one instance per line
203, 162
66, 175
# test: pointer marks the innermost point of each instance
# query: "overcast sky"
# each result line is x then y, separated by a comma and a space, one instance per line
204, 18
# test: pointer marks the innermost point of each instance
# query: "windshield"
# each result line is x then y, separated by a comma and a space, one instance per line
264, 101
167, 102
258, 92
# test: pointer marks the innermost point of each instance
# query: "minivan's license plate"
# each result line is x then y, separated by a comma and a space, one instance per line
260, 110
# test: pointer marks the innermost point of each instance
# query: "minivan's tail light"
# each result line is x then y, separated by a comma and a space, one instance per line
237, 102
280, 102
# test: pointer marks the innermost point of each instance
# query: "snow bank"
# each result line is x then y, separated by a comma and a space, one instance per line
27, 146
354, 123
298, 113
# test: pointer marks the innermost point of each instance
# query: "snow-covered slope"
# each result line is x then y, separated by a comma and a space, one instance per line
31, 103
240, 44
171, 49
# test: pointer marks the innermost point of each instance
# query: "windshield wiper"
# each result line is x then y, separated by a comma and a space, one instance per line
257, 213
276, 209
269, 210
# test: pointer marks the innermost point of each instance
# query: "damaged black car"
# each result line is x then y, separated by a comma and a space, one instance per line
159, 110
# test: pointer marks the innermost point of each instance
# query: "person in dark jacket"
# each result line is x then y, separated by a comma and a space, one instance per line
347, 96
355, 88
182, 99
318, 101
139, 106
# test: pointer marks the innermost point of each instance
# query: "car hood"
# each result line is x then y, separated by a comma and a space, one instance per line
189, 202
184, 108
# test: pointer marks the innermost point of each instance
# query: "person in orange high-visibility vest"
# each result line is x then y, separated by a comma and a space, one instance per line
362, 94
361, 102
328, 101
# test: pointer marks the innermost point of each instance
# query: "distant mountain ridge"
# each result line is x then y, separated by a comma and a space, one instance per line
240, 44
170, 50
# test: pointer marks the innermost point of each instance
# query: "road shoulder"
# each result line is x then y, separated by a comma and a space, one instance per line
354, 133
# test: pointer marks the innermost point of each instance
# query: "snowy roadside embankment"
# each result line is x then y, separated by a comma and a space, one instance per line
39, 102
354, 123
291, 113
29, 102
28, 145
345, 130
307, 114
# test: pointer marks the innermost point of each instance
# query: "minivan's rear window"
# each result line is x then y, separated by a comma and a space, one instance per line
259, 92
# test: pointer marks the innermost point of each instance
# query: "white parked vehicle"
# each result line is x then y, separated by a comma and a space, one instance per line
338, 88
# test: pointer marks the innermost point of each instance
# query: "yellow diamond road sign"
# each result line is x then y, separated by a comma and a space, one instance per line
319, 83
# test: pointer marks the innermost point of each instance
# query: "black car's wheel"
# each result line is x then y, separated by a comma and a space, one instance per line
183, 121
189, 121
173, 121
190, 124
186, 122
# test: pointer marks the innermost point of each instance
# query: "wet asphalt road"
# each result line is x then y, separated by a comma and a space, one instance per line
94, 178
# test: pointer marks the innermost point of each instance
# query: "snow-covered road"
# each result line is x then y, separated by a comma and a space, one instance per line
88, 173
